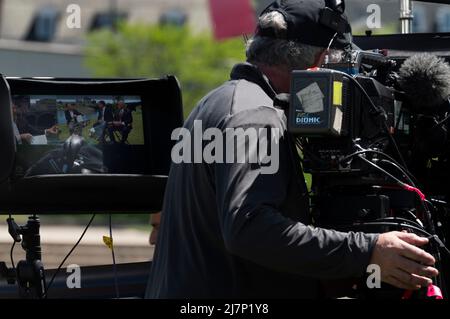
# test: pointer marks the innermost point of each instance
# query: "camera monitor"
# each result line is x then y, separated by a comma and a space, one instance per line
88, 145
106, 131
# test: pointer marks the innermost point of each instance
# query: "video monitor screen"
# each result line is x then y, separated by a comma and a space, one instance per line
78, 134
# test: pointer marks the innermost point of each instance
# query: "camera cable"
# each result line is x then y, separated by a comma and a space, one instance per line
423, 202
394, 163
407, 187
67, 256
116, 283
402, 184
11, 252
426, 234
411, 188
410, 181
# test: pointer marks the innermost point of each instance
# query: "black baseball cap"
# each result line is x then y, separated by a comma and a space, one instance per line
313, 22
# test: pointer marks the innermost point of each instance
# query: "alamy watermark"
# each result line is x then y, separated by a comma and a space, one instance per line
374, 278
73, 20
233, 145
374, 19
74, 279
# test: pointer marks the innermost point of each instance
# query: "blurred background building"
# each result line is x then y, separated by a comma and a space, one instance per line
35, 40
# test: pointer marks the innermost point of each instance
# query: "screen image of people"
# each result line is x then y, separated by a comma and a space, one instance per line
47, 120
28, 128
77, 134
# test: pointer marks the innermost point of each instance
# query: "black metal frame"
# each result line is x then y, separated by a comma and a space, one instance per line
97, 282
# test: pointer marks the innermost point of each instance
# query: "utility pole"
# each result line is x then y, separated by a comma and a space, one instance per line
114, 12
406, 15
1, 17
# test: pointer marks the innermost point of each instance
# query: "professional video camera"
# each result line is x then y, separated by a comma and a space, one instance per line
372, 131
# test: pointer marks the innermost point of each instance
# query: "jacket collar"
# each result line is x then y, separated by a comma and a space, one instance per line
251, 73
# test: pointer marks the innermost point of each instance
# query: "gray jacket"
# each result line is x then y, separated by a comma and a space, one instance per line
228, 231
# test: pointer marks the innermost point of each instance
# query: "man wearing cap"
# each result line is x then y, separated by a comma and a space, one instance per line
229, 231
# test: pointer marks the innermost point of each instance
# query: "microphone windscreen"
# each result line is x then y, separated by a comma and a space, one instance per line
425, 79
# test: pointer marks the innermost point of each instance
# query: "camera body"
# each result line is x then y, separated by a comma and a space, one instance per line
332, 112
357, 134
336, 119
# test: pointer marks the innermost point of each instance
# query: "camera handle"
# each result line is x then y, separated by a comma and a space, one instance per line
30, 273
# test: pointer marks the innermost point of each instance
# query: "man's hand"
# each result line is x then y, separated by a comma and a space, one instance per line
118, 123
402, 263
26, 137
52, 130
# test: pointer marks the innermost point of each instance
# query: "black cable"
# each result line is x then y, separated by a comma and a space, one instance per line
441, 244
11, 255
410, 213
375, 223
381, 169
331, 42
427, 211
424, 206
441, 122
415, 224
11, 252
378, 110
403, 169
364, 151
116, 283
409, 180
67, 256
397, 150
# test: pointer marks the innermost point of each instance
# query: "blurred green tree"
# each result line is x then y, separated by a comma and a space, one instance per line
138, 50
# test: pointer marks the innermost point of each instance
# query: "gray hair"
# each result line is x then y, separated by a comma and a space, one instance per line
278, 51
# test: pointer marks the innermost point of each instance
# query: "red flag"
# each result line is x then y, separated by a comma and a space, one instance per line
231, 18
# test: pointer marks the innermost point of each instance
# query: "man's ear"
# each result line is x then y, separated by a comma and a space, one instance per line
320, 58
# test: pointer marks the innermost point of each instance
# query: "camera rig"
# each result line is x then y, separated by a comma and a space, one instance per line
362, 140
28, 273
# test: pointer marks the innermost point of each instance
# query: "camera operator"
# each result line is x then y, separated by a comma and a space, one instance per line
227, 230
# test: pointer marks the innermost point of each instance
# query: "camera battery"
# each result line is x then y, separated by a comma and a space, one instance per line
317, 102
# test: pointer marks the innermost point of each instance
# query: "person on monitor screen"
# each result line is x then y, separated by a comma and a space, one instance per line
105, 112
23, 130
122, 123
105, 117
74, 119
231, 229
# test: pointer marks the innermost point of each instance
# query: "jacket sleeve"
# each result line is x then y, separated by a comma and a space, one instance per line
253, 227
28, 128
